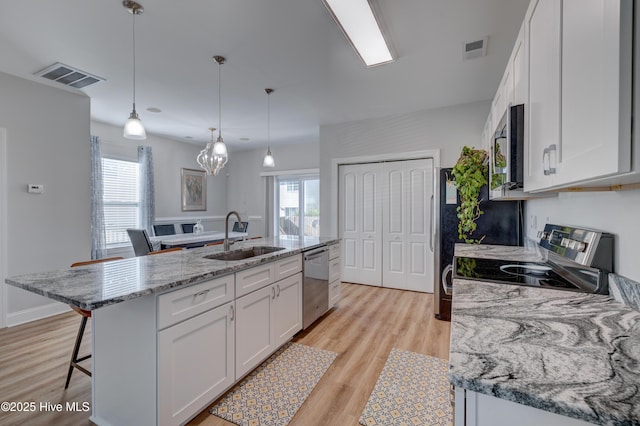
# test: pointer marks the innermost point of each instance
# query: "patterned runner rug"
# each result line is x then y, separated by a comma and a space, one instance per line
273, 393
412, 389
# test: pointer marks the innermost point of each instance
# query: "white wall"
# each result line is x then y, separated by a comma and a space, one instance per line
47, 143
246, 189
447, 129
614, 212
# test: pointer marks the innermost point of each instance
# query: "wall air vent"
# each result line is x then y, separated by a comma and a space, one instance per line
69, 76
474, 49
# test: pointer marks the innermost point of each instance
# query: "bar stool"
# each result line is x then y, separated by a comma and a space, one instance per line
74, 363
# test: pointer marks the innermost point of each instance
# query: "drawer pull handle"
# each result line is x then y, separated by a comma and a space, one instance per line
202, 293
273, 293
232, 313
278, 295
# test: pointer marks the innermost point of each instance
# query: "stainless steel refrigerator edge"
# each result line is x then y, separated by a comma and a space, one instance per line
501, 224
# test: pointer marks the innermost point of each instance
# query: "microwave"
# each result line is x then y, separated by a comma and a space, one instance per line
506, 169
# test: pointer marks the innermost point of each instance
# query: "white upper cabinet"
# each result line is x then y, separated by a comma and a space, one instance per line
596, 89
580, 82
542, 35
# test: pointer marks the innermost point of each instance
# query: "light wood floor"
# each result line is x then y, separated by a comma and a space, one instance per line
367, 323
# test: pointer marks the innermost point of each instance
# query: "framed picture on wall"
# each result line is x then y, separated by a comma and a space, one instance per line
194, 190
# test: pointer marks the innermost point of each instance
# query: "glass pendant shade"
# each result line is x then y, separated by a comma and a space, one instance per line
219, 148
268, 160
133, 128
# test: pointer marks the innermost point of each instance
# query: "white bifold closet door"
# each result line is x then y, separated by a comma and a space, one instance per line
385, 222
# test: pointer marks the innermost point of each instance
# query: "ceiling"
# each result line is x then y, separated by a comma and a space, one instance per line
292, 46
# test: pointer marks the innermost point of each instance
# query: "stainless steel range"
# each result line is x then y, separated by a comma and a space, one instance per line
576, 260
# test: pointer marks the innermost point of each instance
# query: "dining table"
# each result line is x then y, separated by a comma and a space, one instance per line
191, 240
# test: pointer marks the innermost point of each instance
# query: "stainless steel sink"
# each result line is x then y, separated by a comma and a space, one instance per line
245, 253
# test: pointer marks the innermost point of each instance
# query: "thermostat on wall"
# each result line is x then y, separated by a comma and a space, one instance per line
36, 188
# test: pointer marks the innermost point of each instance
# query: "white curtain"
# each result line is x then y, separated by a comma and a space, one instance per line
98, 237
147, 191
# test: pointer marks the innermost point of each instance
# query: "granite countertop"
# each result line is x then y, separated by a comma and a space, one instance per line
91, 287
570, 353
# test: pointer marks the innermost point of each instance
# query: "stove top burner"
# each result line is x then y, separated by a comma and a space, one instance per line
543, 275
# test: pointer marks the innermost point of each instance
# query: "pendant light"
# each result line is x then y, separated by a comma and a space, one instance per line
133, 128
214, 156
268, 159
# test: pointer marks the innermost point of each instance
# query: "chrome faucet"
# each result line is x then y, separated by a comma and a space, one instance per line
227, 243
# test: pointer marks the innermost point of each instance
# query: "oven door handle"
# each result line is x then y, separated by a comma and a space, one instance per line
448, 289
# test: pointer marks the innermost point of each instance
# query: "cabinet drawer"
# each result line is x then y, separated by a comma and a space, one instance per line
185, 303
288, 266
334, 270
254, 278
334, 251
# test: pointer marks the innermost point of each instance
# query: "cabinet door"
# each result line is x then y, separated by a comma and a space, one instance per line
288, 310
596, 89
542, 34
195, 363
254, 329
520, 72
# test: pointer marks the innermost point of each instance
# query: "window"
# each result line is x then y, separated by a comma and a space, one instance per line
121, 181
298, 206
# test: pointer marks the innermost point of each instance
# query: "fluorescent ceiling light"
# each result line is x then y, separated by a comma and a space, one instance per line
360, 26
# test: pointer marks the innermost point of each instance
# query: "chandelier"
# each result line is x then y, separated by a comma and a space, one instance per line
214, 156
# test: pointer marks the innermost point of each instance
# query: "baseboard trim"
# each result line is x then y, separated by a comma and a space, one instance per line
39, 312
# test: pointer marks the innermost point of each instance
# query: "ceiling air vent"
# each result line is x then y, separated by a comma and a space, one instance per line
474, 49
69, 76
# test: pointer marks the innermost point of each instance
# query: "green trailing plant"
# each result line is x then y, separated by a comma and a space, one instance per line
469, 176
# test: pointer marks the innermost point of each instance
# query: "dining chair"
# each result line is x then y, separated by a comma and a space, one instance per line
159, 230
169, 250
187, 228
240, 226
75, 360
140, 241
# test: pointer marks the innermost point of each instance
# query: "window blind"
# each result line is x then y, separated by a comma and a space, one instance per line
121, 180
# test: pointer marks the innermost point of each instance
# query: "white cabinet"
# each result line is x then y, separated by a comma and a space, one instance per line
185, 347
580, 72
287, 266
195, 363
254, 324
476, 409
596, 89
254, 278
288, 312
187, 302
335, 269
542, 29
266, 319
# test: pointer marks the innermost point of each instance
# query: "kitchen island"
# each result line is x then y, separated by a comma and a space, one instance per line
531, 356
165, 328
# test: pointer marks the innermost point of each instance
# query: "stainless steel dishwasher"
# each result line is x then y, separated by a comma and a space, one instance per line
315, 288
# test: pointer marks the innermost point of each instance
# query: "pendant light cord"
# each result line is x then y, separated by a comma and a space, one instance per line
134, 58
219, 101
